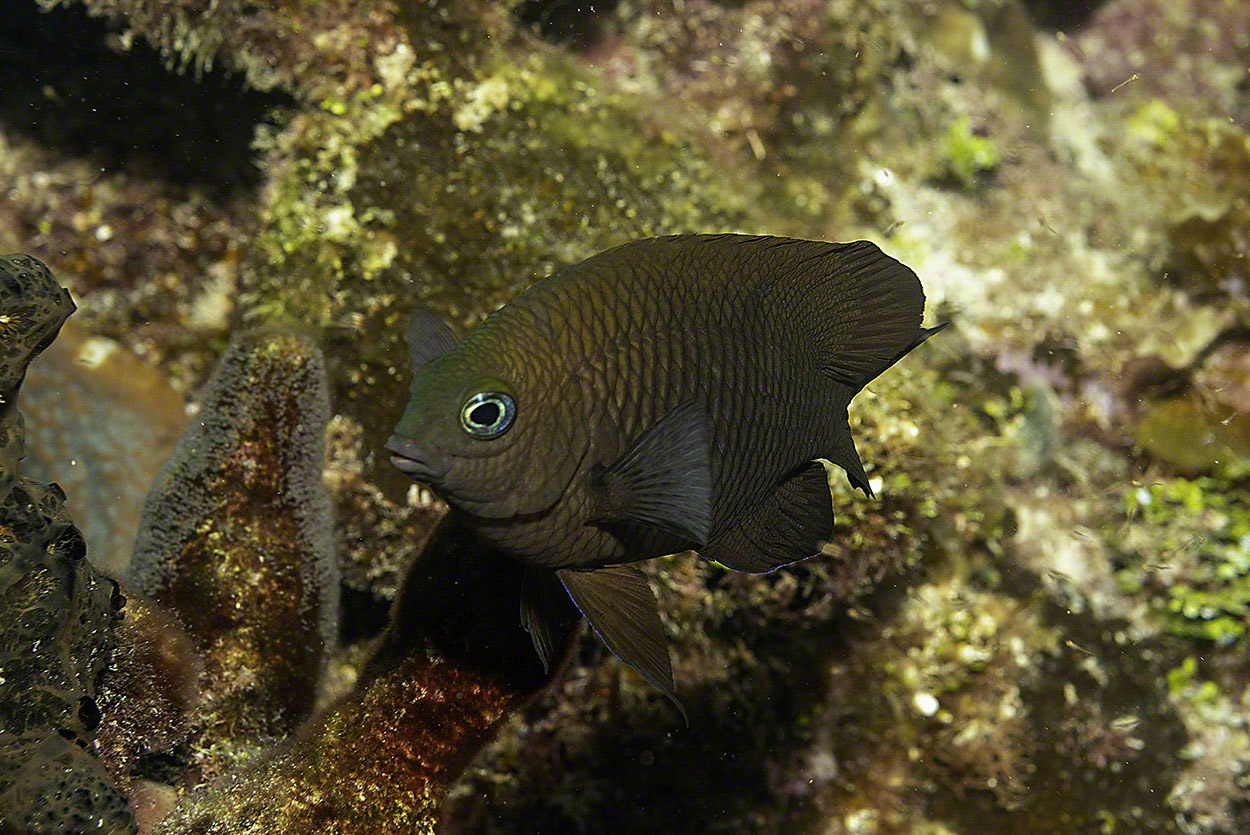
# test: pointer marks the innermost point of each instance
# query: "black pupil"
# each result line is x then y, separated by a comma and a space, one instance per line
484, 414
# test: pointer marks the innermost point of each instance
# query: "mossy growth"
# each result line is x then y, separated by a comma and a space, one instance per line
1154, 123
966, 158
1199, 170
1198, 530
1184, 683
466, 189
456, 192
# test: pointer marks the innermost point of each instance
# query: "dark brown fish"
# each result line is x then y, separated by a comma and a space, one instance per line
669, 394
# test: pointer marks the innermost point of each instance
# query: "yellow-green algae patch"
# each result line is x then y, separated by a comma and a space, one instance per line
1188, 547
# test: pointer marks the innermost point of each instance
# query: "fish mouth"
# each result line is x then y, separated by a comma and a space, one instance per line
407, 458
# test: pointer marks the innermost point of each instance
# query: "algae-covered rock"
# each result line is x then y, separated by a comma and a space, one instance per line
451, 668
1183, 52
56, 612
1193, 436
235, 541
1001, 640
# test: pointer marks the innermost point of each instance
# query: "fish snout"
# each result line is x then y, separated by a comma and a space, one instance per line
409, 459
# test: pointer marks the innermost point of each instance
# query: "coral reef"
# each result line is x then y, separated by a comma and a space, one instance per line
1039, 627
56, 621
1191, 54
452, 666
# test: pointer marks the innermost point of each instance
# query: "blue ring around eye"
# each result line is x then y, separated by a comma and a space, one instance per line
505, 411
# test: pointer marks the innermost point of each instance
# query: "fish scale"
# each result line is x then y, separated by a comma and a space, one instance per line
670, 393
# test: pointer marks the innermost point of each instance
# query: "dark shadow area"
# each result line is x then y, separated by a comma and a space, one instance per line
68, 84
1070, 789
1062, 15
462, 599
643, 770
363, 615
572, 23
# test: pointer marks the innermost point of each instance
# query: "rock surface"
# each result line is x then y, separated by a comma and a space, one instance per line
56, 612
1041, 626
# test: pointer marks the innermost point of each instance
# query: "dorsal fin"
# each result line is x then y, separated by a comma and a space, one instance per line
871, 313
428, 337
861, 309
663, 480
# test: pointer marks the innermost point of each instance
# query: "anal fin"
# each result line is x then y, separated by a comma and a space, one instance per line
618, 602
790, 524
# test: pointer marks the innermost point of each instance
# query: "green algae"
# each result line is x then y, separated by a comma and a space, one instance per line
415, 171
1200, 579
1154, 123
966, 157
1184, 683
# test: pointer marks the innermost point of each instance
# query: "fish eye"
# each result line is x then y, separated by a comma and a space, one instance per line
487, 414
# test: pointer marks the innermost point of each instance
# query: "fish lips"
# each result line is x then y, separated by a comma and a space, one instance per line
409, 459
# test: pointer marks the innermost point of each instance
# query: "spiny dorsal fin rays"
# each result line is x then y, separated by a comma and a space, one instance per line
428, 337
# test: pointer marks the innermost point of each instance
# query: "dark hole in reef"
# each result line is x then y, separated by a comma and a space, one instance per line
484, 415
70, 545
88, 713
116, 599
168, 766
577, 25
68, 85
364, 615
1062, 15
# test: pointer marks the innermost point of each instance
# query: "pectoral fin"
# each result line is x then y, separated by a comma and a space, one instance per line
663, 480
618, 602
790, 524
